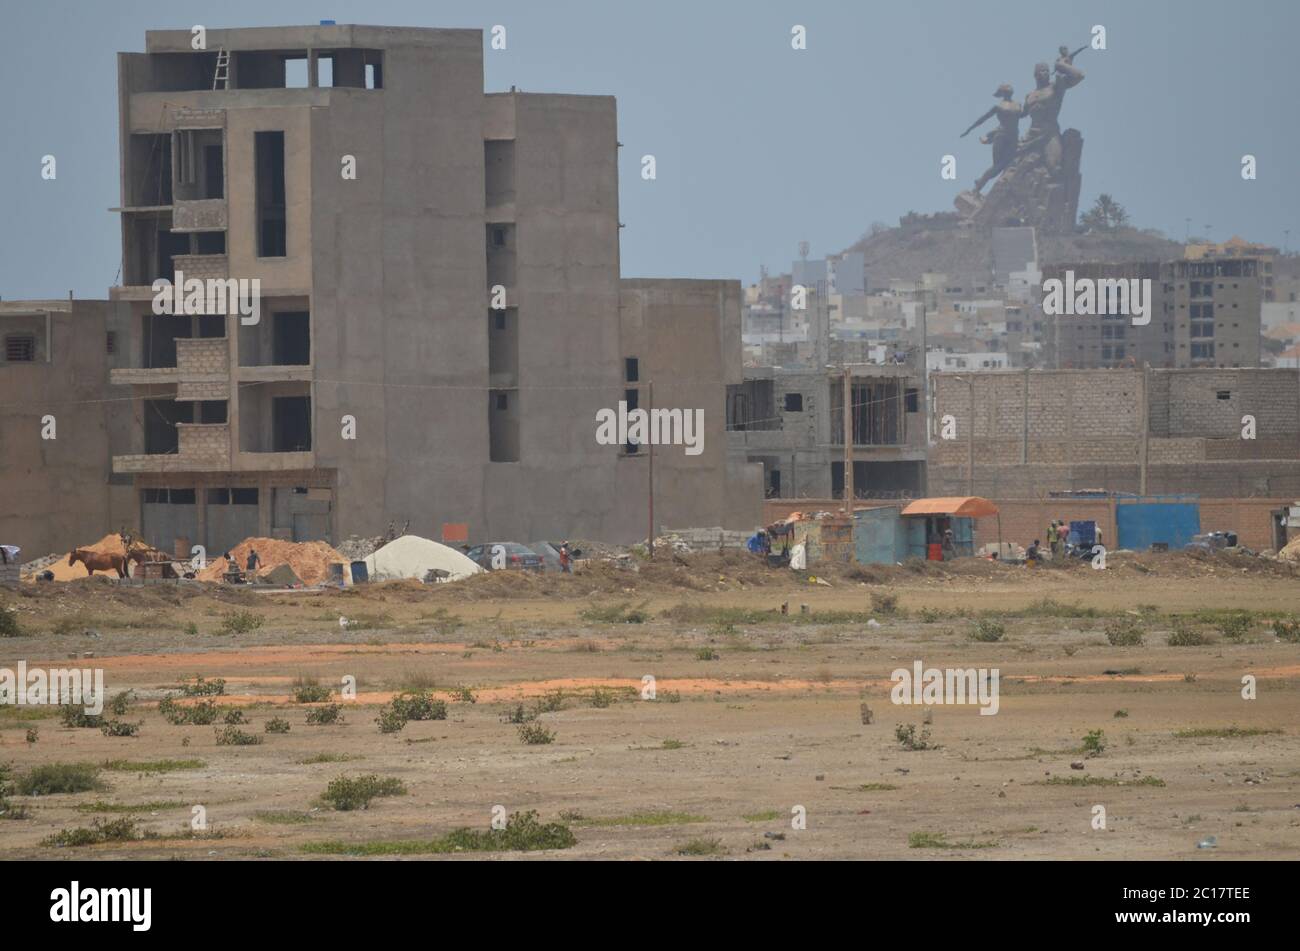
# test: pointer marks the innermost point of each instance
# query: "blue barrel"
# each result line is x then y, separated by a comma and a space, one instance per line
359, 573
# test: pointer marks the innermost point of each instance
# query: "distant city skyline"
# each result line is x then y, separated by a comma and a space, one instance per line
757, 145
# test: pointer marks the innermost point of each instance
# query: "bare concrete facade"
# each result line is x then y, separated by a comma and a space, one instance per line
384, 216
1148, 433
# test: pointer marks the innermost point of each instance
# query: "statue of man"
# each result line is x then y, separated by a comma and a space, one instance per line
1004, 138
1043, 106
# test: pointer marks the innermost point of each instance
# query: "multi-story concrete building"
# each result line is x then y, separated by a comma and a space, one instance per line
1203, 313
442, 313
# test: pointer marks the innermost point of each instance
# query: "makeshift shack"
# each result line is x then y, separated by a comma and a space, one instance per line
928, 522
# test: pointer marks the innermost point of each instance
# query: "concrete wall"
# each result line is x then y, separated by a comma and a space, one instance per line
56, 493
1085, 432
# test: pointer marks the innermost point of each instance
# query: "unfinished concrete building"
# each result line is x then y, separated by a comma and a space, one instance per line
792, 422
441, 308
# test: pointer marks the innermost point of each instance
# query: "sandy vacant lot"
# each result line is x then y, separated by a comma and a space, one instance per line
756, 713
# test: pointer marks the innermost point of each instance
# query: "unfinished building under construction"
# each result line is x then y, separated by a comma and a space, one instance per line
441, 313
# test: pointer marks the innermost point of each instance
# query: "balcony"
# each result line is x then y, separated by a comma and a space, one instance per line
203, 214
202, 370
203, 447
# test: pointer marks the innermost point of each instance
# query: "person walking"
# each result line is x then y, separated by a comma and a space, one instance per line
253, 563
564, 559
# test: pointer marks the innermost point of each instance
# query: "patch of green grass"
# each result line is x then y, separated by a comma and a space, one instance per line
706, 653
701, 847
940, 840
621, 613
53, 778
119, 728
706, 616
346, 793
550, 702
308, 690
766, 816
523, 833
277, 725
463, 694
1287, 630
1224, 733
418, 705
100, 831
152, 765
318, 758
160, 805
672, 745
1094, 742
1096, 781
877, 787
283, 817
647, 819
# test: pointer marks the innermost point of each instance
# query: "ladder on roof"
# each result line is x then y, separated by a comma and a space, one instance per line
222, 73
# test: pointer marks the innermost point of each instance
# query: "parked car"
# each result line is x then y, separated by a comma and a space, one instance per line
508, 555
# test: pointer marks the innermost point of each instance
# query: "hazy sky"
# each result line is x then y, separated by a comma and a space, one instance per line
758, 146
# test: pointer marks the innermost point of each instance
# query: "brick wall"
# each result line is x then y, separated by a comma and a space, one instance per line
203, 266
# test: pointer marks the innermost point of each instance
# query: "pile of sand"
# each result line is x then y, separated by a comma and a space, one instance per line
111, 543
1291, 552
411, 556
310, 561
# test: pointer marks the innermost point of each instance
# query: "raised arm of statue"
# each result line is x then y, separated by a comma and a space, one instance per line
1067, 74
980, 121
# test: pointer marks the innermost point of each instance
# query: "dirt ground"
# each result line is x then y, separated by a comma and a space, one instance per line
758, 716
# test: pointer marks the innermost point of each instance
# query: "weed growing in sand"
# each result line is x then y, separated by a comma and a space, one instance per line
1224, 733
234, 736
323, 716
883, 602
1119, 714
534, 734
54, 778
277, 725
203, 713
522, 833
7, 809
328, 758
550, 702
418, 705
240, 622
518, 715
929, 615
100, 831
346, 794
153, 765
235, 718
1096, 781
988, 631
701, 847
463, 694
939, 840
204, 688
766, 816
1125, 632
1184, 635
1094, 742
9, 626
74, 716
1287, 630
1234, 627
601, 698
909, 739
310, 690
119, 728
120, 703
706, 653
621, 613
390, 720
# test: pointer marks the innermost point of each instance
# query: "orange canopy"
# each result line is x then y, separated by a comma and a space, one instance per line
962, 506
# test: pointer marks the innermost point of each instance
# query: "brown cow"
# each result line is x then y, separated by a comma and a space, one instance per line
98, 561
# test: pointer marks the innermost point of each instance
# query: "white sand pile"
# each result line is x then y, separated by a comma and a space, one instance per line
411, 556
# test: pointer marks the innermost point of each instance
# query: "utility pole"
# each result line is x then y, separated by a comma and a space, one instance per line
848, 441
650, 480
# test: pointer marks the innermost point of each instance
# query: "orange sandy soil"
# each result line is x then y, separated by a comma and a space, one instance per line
774, 722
